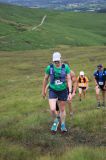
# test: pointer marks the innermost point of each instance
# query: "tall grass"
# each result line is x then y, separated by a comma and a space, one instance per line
85, 153
25, 117
81, 153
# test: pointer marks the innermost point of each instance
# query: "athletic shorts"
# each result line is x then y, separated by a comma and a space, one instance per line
102, 87
60, 95
83, 88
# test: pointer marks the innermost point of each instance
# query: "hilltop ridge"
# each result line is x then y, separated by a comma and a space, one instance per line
72, 5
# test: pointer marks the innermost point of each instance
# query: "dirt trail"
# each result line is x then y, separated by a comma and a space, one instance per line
42, 21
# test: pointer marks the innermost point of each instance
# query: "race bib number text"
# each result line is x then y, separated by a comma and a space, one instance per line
58, 82
100, 83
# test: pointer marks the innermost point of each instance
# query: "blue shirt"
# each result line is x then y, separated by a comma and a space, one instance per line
100, 75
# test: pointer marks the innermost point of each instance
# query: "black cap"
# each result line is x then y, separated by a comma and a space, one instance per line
100, 65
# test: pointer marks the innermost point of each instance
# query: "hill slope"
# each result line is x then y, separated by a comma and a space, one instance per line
24, 115
25, 120
75, 29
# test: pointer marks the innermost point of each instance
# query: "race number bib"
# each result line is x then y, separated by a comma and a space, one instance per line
58, 82
82, 85
100, 83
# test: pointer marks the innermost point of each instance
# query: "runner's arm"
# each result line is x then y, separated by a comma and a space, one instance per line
95, 81
69, 83
87, 83
47, 86
45, 81
74, 81
77, 79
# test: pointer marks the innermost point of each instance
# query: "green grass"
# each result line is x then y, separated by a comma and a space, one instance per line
25, 118
59, 28
85, 154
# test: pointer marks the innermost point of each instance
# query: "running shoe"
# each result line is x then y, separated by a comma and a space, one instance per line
98, 105
103, 104
63, 128
55, 125
71, 114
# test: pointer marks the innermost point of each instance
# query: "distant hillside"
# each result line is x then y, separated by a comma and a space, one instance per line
19, 32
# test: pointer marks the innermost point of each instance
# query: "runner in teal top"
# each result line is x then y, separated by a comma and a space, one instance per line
59, 75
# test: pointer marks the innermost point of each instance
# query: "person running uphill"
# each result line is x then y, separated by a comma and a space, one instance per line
100, 82
74, 88
58, 73
82, 84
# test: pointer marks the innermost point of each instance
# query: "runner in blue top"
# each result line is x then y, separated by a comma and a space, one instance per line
100, 82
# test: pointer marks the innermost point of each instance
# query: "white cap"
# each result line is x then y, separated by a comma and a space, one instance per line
56, 56
81, 73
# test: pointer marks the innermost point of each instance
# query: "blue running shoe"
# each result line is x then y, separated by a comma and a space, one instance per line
55, 125
63, 128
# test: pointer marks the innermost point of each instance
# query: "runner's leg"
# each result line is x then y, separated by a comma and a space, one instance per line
103, 98
62, 111
70, 107
63, 116
97, 89
57, 110
52, 103
80, 93
84, 92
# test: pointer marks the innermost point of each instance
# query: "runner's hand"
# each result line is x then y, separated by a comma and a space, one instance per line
70, 97
104, 87
86, 88
43, 94
73, 94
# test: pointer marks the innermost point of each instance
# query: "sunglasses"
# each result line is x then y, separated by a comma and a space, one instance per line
99, 67
56, 61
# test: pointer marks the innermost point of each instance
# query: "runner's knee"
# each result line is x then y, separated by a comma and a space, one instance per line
63, 112
53, 110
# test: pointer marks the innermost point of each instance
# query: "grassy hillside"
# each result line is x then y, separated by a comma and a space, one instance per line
24, 116
59, 28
